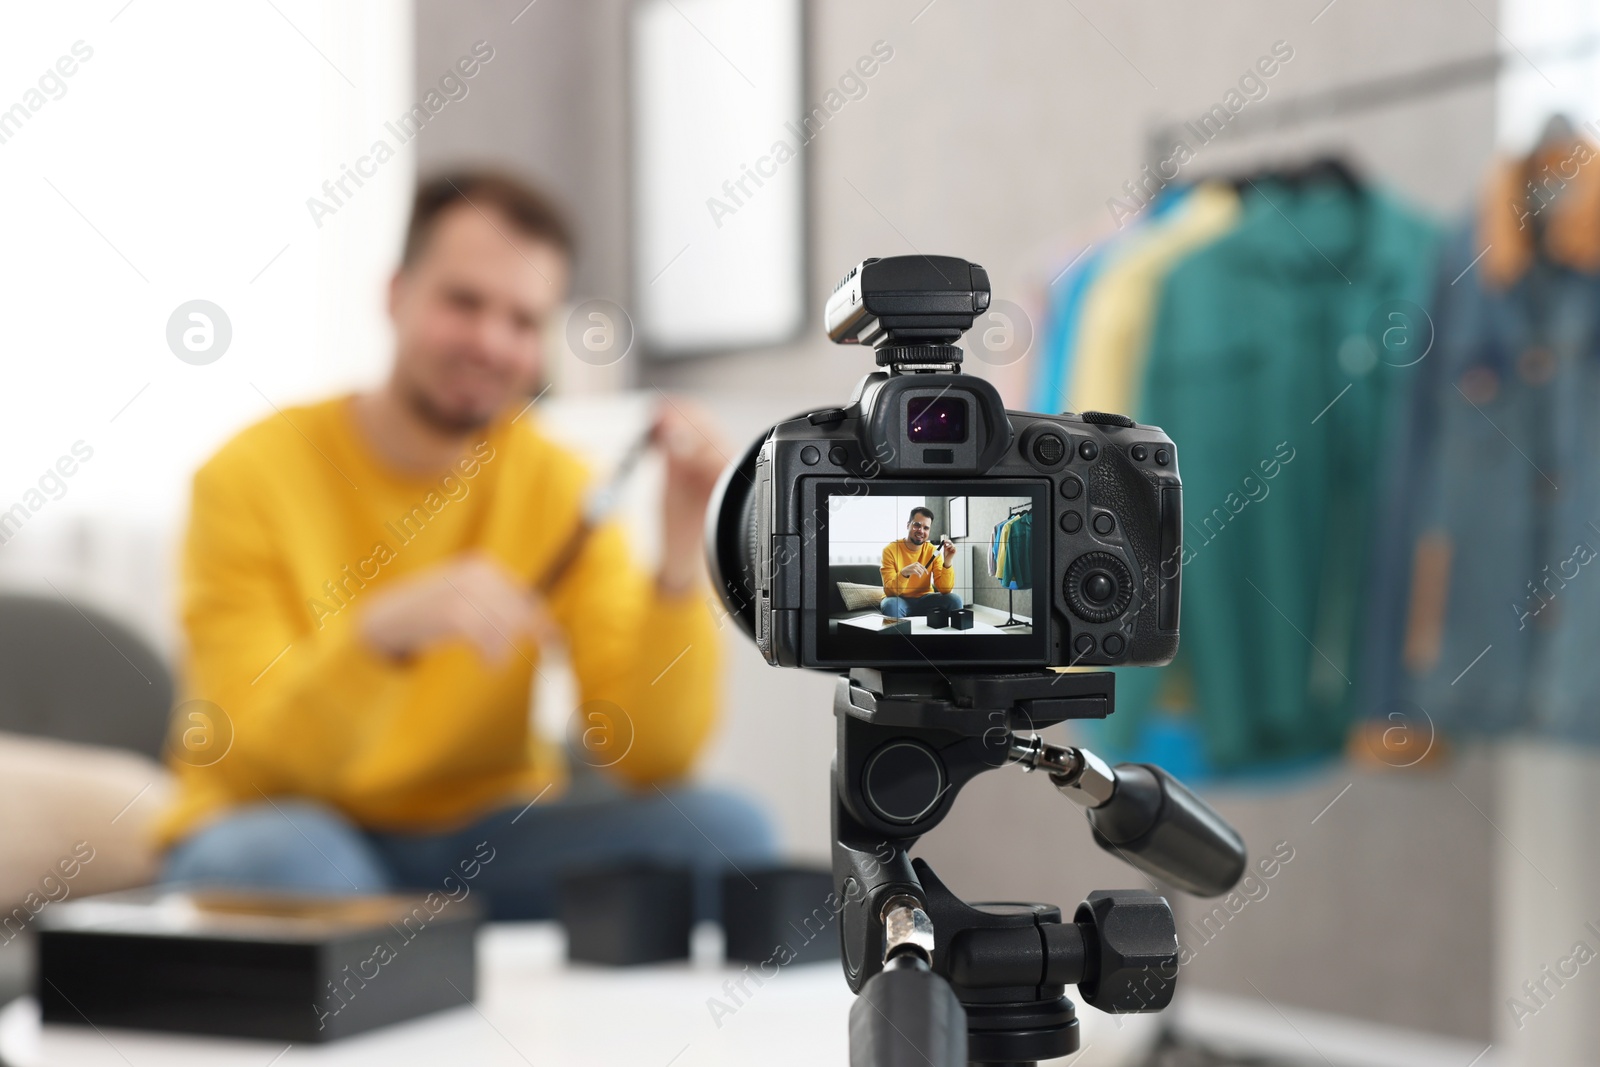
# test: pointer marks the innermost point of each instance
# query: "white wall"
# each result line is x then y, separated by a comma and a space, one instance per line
859, 526
175, 167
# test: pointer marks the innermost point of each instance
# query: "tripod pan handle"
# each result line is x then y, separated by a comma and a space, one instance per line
1153, 822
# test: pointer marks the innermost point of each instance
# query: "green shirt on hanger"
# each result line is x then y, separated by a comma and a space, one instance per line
1265, 367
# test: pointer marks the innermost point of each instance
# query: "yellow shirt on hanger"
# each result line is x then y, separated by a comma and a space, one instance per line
1005, 545
1114, 333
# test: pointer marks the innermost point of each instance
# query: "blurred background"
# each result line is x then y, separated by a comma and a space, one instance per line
1377, 251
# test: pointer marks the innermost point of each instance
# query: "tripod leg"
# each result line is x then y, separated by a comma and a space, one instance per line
907, 1016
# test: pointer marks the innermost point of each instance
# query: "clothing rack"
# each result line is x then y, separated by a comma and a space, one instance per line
1515, 924
1357, 97
1011, 592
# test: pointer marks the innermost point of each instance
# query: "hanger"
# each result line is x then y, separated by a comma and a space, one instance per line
1320, 169
1558, 132
1331, 168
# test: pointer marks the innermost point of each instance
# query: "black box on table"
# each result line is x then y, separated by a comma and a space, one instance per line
627, 914
275, 966
780, 915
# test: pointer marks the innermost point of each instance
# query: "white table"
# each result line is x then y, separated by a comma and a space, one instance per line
985, 620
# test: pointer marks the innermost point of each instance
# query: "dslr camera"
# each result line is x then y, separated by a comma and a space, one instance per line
922, 523
945, 557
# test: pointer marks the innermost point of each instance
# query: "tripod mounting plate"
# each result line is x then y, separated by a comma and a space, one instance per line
966, 703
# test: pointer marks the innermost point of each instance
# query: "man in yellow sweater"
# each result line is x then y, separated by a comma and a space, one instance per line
359, 600
916, 576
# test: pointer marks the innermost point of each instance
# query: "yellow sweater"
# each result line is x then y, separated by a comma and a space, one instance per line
295, 524
897, 556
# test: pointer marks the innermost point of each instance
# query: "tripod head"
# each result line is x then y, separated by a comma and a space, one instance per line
942, 981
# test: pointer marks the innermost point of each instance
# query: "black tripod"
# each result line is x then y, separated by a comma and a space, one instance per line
941, 982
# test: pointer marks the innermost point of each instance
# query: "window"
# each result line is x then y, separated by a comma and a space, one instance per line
718, 174
175, 163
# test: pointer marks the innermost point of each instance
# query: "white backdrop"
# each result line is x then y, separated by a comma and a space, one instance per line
174, 164
859, 526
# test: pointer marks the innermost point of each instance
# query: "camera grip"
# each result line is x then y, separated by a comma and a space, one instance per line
1156, 824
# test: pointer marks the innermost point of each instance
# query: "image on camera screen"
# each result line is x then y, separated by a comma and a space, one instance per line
927, 565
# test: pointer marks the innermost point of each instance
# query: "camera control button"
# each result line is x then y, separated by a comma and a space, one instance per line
1084, 644
1113, 644
1088, 450
824, 418
1098, 587
1163, 457
1049, 449
1104, 524
1071, 487
1139, 452
1071, 521
810, 456
837, 455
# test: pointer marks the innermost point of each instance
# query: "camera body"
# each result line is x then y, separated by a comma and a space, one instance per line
998, 539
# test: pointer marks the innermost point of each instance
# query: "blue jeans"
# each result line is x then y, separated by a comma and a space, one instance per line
899, 607
302, 845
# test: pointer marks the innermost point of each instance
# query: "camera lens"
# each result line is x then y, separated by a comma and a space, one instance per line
731, 546
936, 419
1099, 587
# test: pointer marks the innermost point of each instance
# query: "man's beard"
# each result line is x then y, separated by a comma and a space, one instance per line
422, 405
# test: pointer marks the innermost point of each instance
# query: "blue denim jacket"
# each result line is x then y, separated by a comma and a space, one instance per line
1501, 456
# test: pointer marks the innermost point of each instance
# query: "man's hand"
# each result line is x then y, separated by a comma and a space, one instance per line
915, 570
695, 457
949, 549
471, 598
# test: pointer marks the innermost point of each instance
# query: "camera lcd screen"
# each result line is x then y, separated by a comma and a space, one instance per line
943, 573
